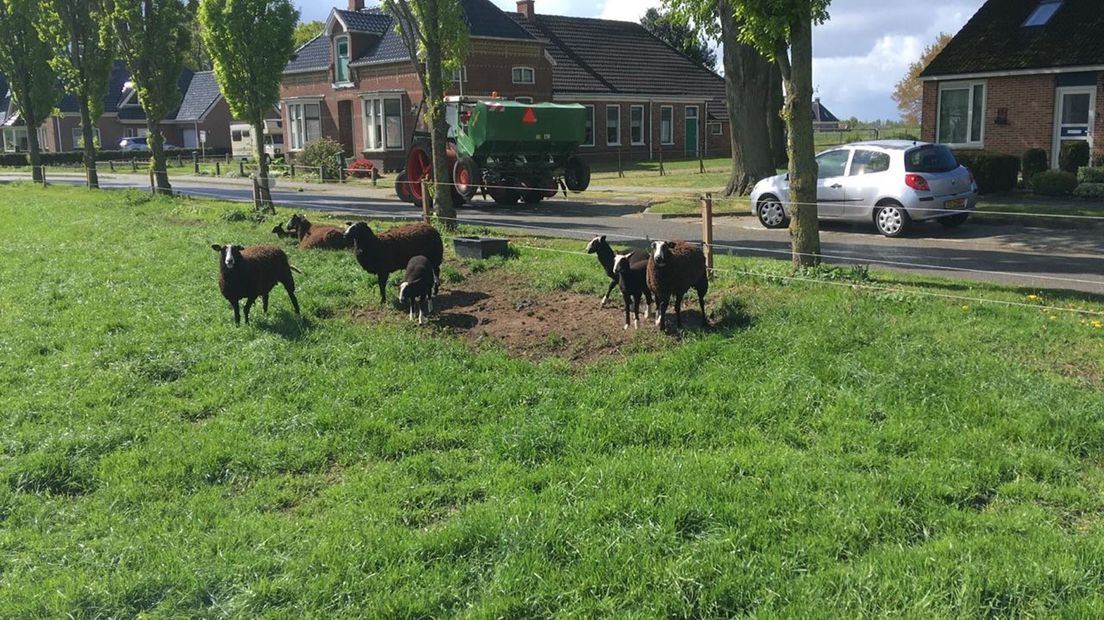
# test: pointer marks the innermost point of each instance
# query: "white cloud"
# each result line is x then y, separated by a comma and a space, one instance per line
861, 85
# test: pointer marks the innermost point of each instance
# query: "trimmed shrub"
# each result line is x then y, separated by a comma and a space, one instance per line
1073, 156
993, 172
1034, 161
1090, 191
1091, 175
1054, 183
361, 169
14, 160
323, 154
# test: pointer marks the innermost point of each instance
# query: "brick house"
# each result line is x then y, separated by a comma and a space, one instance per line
1021, 74
202, 109
354, 83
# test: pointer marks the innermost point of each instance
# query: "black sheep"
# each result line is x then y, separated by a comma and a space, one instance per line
605, 253
417, 287
279, 231
392, 250
632, 277
673, 269
313, 237
249, 273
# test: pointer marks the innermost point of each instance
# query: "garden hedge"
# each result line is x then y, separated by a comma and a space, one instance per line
994, 172
1091, 175
1034, 161
1054, 183
1073, 156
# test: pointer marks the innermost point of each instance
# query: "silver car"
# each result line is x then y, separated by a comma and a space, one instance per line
891, 183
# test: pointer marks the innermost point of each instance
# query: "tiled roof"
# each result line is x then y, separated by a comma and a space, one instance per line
822, 114
996, 40
368, 22
136, 113
202, 93
314, 55
389, 48
487, 20
603, 56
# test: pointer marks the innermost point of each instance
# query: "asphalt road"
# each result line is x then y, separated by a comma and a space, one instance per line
1032, 257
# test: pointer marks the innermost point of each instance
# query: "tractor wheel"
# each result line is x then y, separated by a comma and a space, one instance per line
419, 167
577, 175
548, 184
534, 192
466, 178
402, 188
504, 197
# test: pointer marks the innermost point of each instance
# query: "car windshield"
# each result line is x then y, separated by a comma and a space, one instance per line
930, 158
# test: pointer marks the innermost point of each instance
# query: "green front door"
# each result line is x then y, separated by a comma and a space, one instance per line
692, 132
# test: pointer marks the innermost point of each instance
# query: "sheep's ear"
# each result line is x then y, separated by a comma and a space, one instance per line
603, 238
670, 245
348, 224
216, 247
239, 248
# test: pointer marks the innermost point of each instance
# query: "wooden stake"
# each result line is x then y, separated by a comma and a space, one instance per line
425, 201
707, 232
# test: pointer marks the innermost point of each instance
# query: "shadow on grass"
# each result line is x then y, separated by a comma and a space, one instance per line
285, 324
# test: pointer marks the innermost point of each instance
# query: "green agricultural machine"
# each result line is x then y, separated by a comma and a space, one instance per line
504, 150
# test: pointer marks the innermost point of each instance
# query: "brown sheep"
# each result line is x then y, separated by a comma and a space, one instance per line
673, 269
392, 250
249, 273
313, 237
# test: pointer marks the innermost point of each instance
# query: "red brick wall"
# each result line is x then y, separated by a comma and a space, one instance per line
930, 112
1098, 133
718, 146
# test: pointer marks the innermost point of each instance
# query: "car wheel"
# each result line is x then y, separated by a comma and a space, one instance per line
954, 221
892, 220
772, 214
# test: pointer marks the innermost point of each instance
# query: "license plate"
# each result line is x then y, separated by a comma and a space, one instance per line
955, 205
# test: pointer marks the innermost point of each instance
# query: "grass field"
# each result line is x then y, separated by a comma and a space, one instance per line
829, 450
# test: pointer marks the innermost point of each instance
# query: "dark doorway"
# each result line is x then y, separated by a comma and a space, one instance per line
345, 126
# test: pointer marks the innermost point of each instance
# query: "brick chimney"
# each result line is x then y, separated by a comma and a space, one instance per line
526, 8
356, 5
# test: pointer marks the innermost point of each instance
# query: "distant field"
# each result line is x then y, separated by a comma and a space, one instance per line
829, 450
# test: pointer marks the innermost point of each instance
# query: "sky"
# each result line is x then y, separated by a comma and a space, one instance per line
858, 55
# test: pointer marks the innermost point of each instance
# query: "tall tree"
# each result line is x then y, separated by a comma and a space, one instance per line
783, 30
25, 60
681, 35
747, 76
196, 57
909, 92
436, 35
250, 43
153, 37
84, 52
776, 102
306, 31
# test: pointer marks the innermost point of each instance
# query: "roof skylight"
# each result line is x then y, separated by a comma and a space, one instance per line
1042, 13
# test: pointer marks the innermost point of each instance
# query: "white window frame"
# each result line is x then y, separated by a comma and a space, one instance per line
969, 87
1036, 19
297, 123
618, 108
517, 75
593, 127
669, 139
368, 111
11, 138
460, 75
716, 129
78, 135
135, 132
643, 125
337, 60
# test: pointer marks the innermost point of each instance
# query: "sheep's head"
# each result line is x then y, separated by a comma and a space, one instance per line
661, 252
402, 292
595, 243
294, 222
621, 263
229, 255
358, 230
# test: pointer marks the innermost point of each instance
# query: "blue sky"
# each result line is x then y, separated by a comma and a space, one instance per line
858, 56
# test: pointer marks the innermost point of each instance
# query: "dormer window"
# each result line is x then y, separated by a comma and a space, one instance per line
341, 62
1042, 13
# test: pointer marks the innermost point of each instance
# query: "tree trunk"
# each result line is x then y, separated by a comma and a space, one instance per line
775, 125
87, 130
443, 206
157, 157
804, 227
263, 199
746, 80
35, 150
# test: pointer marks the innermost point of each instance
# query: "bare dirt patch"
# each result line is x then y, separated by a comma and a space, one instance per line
496, 309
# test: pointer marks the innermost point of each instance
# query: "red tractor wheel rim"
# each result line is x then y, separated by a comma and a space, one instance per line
463, 180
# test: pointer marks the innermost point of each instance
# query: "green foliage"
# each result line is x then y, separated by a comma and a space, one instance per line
768, 24
250, 42
1091, 175
1073, 156
438, 25
152, 37
994, 172
681, 35
305, 31
1033, 162
324, 154
84, 68
1090, 191
25, 60
1054, 183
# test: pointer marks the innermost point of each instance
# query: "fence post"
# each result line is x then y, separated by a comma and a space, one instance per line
662, 172
195, 162
291, 170
701, 161
42, 169
133, 164
707, 232
620, 168
241, 167
111, 165
218, 168
343, 165
153, 183
425, 201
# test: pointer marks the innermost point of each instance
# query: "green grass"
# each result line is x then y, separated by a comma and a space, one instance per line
829, 451
690, 206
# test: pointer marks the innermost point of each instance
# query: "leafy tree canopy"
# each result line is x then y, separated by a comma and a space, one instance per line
680, 34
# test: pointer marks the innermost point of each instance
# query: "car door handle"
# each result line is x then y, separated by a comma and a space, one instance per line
837, 186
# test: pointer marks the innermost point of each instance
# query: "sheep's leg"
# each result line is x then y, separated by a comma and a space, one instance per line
436, 282
661, 310
678, 311
609, 292
628, 301
422, 302
383, 287
237, 311
248, 304
702, 290
264, 302
411, 301
636, 311
648, 307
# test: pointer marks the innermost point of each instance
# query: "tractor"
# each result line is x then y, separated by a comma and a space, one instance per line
505, 150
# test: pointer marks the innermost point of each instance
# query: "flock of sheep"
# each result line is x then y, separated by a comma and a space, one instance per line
668, 269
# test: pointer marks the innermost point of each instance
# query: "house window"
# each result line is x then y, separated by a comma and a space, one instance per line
134, 132
78, 137
667, 125
383, 124
588, 139
306, 123
524, 75
16, 139
460, 75
716, 129
236, 136
341, 70
636, 124
1042, 13
613, 125
961, 114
